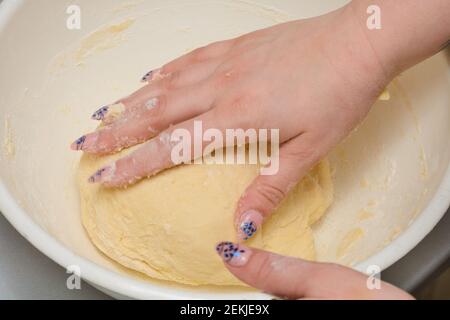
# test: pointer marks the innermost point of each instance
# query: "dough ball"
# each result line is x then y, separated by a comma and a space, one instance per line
167, 226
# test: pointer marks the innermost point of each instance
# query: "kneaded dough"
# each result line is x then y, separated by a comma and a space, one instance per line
167, 226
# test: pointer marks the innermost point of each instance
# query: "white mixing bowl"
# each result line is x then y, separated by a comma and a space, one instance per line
391, 176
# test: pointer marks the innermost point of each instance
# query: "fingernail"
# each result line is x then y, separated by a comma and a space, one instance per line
249, 223
110, 112
235, 255
100, 113
149, 76
102, 175
85, 142
78, 144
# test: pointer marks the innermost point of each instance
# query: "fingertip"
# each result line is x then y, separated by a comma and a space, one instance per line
100, 113
78, 144
263, 270
233, 254
103, 175
147, 77
151, 75
118, 174
109, 114
249, 222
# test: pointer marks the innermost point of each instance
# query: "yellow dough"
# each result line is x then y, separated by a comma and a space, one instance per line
167, 226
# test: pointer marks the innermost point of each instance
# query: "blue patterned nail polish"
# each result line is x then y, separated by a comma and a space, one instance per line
148, 76
96, 176
250, 223
228, 250
78, 144
233, 254
248, 228
100, 113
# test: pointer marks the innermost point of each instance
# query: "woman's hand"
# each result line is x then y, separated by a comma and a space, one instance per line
314, 80
293, 278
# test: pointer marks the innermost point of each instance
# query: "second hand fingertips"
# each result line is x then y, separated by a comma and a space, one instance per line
249, 223
235, 255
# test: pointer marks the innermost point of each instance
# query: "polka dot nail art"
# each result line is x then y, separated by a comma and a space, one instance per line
78, 144
250, 222
249, 229
233, 254
100, 113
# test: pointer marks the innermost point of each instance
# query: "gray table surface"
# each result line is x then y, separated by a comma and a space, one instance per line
25, 273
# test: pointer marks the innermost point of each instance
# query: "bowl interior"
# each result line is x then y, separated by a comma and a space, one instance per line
52, 79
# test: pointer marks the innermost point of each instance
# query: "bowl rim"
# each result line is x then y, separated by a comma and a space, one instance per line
114, 283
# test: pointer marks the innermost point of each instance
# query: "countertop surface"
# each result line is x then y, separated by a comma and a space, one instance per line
25, 273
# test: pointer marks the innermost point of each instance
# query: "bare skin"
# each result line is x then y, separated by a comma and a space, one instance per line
314, 79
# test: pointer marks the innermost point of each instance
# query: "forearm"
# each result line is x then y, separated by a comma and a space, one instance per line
411, 30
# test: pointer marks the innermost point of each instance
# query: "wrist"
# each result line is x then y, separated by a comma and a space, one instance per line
354, 58
409, 30
384, 59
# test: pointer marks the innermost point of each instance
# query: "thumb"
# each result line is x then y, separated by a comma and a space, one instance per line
296, 278
266, 192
